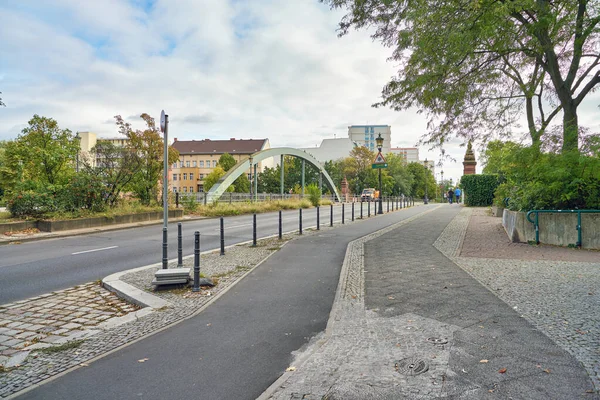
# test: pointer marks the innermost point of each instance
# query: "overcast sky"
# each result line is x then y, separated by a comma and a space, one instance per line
220, 68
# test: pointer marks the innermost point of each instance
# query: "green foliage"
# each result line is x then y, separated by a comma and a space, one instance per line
211, 179
242, 184
479, 189
84, 192
484, 64
189, 203
226, 161
314, 194
31, 201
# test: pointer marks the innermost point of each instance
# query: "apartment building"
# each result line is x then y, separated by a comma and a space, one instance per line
365, 135
198, 158
410, 154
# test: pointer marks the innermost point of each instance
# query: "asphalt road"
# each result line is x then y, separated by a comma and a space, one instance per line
34, 268
238, 346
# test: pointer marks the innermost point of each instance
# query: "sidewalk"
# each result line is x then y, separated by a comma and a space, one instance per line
434, 323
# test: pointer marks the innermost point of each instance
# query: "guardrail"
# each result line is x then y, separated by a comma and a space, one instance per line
578, 227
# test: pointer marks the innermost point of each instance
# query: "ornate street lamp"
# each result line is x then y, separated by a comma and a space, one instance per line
379, 141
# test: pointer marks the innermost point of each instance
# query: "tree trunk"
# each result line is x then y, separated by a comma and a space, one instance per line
570, 128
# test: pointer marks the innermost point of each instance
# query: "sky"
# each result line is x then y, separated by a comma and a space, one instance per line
219, 68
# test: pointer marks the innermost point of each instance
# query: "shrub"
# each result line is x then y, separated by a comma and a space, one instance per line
31, 203
314, 194
479, 189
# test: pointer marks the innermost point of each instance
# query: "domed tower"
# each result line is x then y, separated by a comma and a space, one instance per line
469, 163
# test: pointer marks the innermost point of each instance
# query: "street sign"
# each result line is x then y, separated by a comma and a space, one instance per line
163, 121
379, 159
378, 166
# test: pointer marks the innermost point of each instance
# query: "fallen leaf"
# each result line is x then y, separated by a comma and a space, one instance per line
503, 370
397, 344
84, 364
143, 360
391, 297
208, 324
483, 361
481, 326
290, 369
547, 371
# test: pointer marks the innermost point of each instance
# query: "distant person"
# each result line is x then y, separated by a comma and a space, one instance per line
457, 193
450, 195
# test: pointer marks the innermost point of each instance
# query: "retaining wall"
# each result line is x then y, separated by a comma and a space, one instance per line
82, 223
554, 228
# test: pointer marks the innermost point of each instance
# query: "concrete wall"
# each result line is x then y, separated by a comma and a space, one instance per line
554, 228
82, 223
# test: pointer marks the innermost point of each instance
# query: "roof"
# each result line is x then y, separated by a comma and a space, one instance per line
364, 126
231, 146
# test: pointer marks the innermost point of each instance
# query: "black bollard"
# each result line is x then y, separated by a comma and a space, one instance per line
196, 287
343, 213
331, 215
361, 212
300, 223
179, 246
369, 209
222, 237
352, 211
165, 260
280, 226
318, 218
254, 230
177, 199
388, 204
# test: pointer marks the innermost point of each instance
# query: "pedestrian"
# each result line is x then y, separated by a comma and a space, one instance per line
450, 195
457, 193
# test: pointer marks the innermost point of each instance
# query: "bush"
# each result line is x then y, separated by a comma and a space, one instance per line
479, 189
189, 202
84, 192
314, 194
31, 203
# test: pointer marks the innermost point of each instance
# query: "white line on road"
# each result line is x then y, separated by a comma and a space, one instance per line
89, 251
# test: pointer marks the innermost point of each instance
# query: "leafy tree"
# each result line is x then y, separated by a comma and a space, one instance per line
211, 179
269, 180
421, 176
476, 67
358, 170
42, 153
226, 161
402, 179
241, 184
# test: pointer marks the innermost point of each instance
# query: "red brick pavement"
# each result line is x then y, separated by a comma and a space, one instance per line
486, 238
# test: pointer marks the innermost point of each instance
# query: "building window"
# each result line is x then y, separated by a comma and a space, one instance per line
180, 164
174, 190
214, 163
191, 176
185, 176
174, 177
201, 176
185, 189
372, 131
187, 164
174, 165
201, 164
201, 188
195, 164
249, 176
366, 129
191, 189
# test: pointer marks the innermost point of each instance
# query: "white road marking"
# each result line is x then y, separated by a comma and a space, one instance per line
90, 251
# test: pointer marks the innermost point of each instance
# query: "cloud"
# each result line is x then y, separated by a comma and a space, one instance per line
205, 118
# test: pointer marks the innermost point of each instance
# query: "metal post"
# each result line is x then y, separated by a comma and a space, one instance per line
318, 218
230, 197
388, 204
352, 211
281, 178
177, 199
369, 209
251, 186
280, 226
165, 259
331, 215
300, 223
196, 287
361, 211
302, 179
254, 230
222, 237
343, 214
255, 183
179, 246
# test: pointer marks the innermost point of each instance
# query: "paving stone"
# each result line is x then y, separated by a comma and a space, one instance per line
71, 325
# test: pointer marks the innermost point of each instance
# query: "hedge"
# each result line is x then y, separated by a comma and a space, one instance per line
479, 189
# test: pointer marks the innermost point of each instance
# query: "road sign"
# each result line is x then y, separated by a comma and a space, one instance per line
377, 166
379, 159
163, 121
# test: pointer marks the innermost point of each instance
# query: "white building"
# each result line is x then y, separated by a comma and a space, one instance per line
331, 149
410, 154
365, 135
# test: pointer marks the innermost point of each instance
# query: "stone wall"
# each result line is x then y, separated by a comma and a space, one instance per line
554, 228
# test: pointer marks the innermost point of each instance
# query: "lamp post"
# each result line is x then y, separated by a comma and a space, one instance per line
426, 200
379, 141
164, 127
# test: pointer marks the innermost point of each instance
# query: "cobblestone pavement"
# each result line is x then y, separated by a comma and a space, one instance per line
120, 328
425, 330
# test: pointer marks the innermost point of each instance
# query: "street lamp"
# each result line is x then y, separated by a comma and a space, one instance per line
379, 141
426, 200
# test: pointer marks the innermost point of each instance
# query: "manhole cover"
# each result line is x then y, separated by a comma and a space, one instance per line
411, 366
436, 340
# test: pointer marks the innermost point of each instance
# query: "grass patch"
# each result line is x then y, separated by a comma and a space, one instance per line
73, 344
239, 268
226, 209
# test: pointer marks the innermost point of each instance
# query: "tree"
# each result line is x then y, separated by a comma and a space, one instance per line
402, 179
422, 177
42, 153
268, 180
226, 161
212, 178
241, 184
358, 170
477, 67
1, 103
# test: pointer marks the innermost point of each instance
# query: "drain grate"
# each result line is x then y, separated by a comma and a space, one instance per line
411, 366
436, 340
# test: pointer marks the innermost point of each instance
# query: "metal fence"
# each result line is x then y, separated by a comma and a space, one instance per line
201, 197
